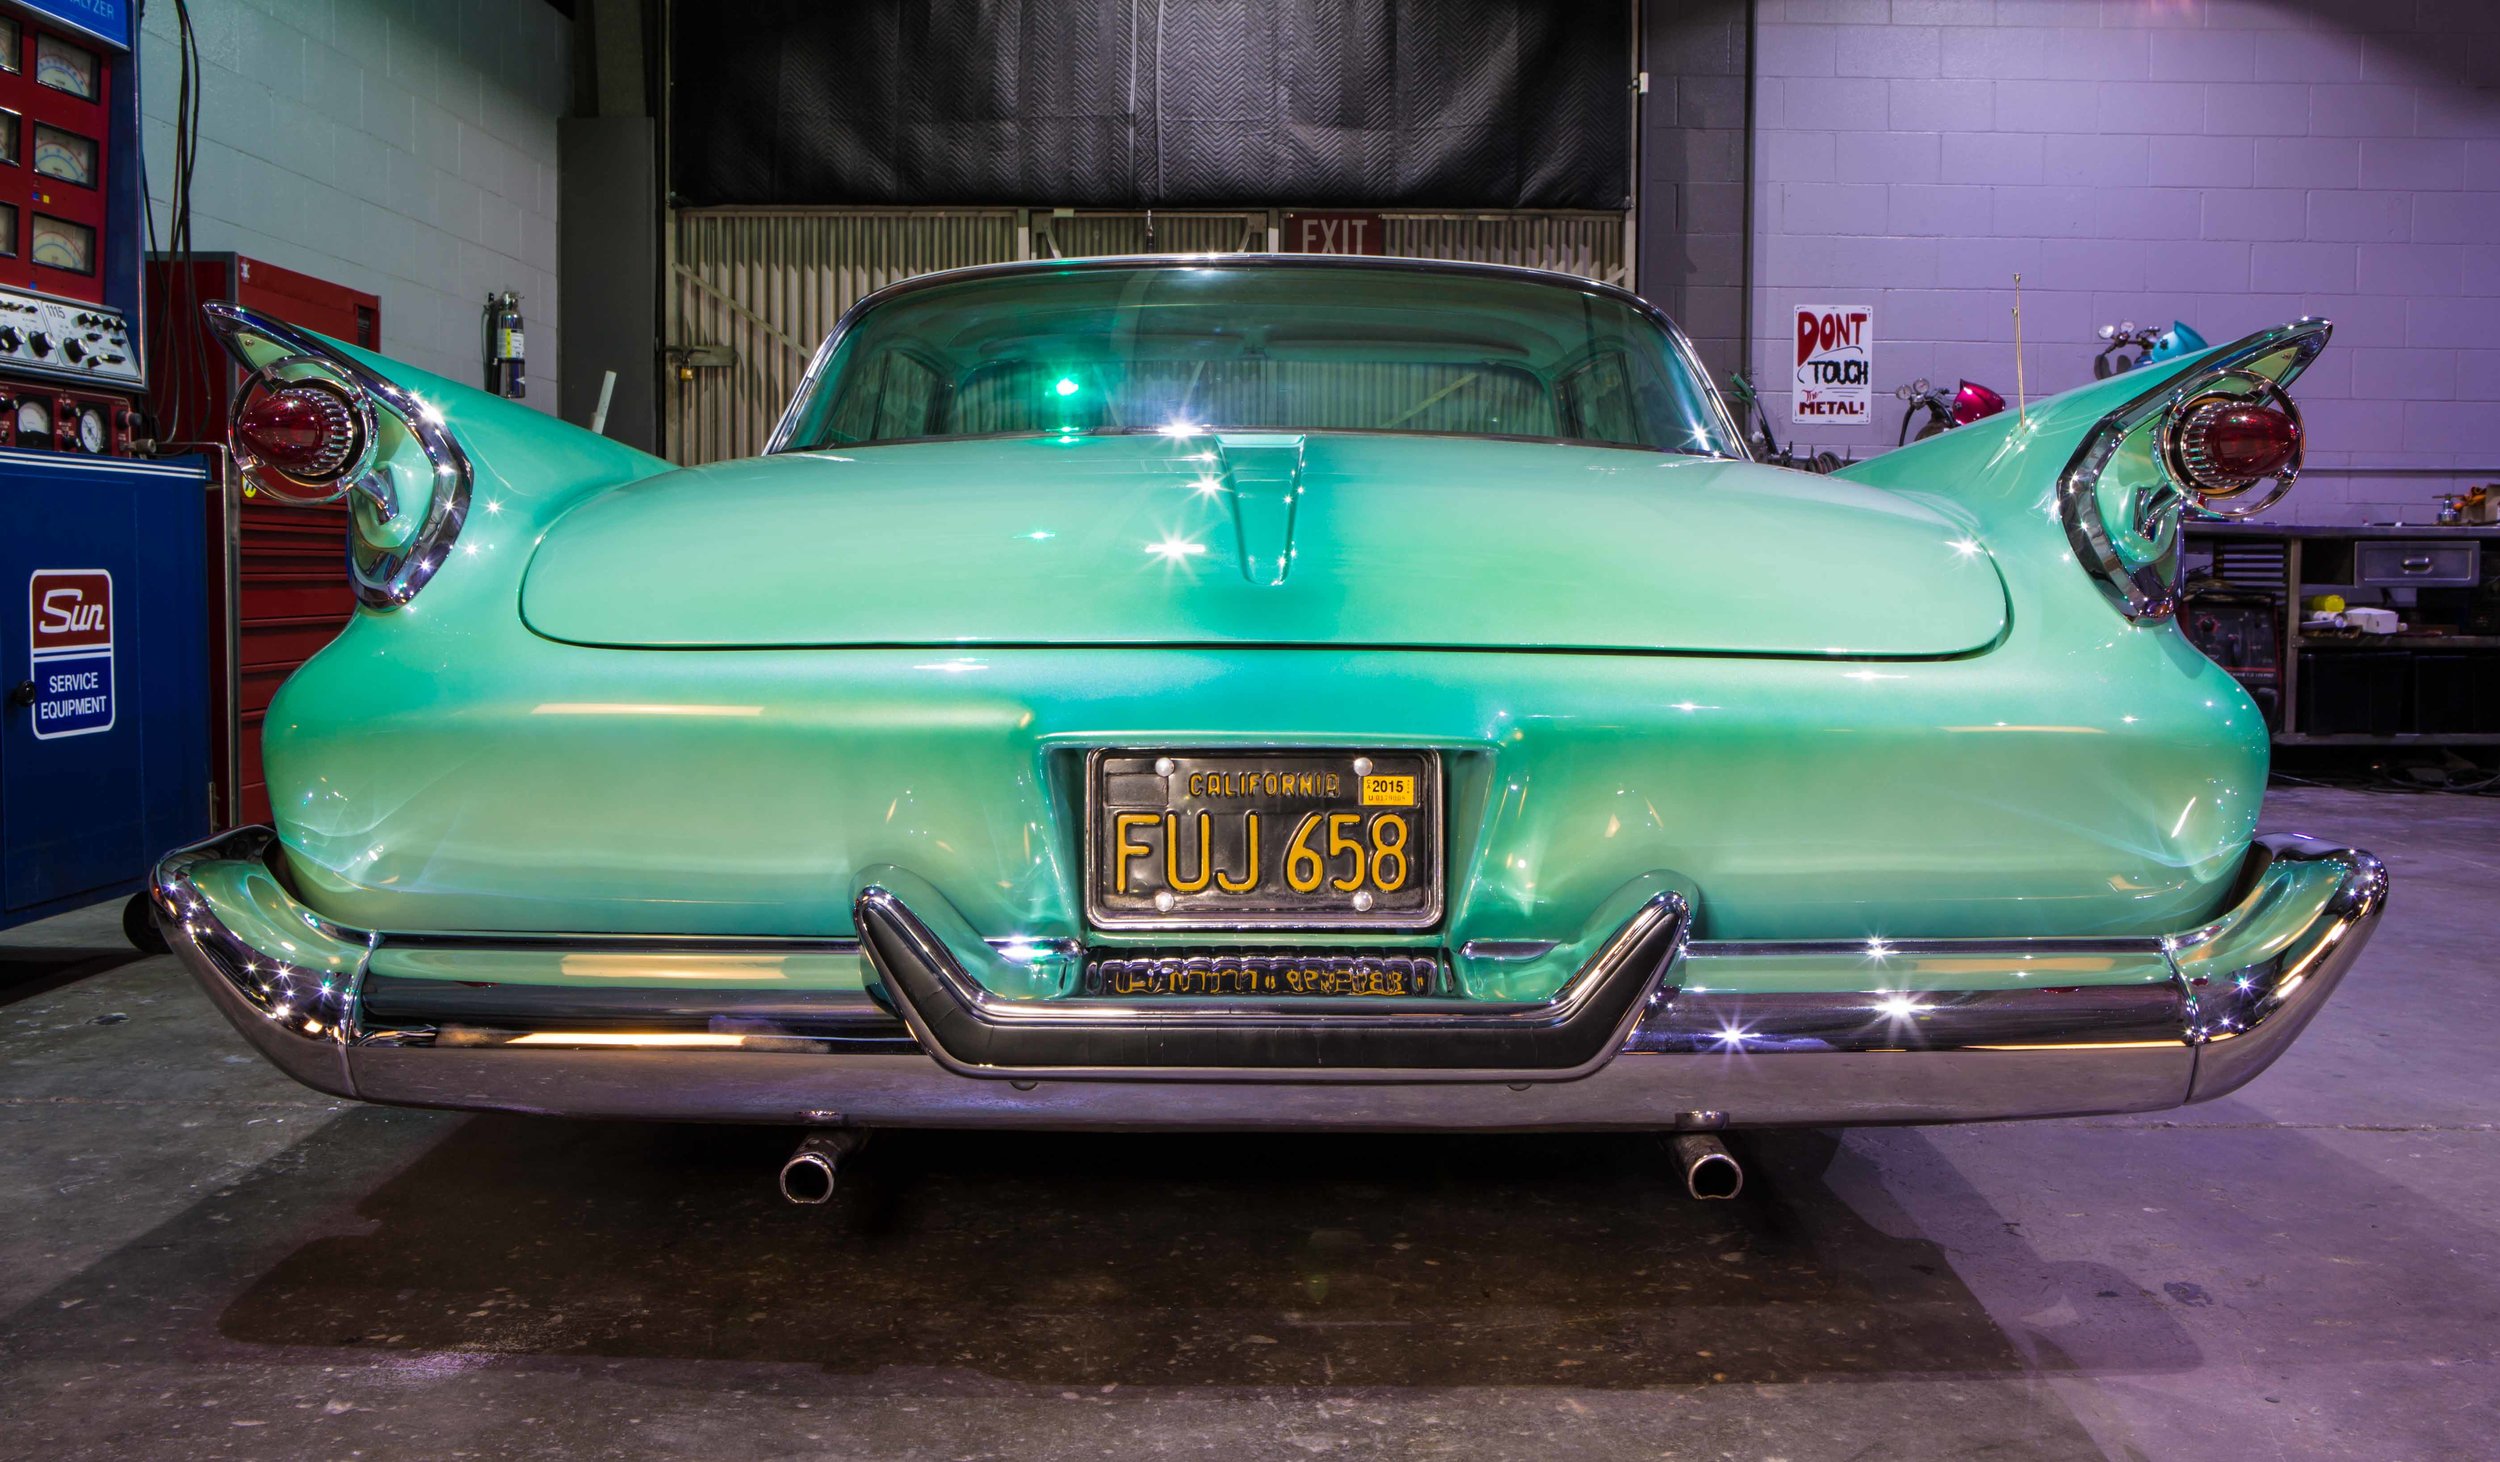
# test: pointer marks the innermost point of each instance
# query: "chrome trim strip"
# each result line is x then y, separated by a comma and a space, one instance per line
394, 578
1877, 948
631, 943
1504, 950
1916, 1020
2150, 591
1686, 353
1027, 949
519, 1006
746, 1037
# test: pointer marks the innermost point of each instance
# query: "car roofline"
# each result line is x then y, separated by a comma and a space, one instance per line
1387, 263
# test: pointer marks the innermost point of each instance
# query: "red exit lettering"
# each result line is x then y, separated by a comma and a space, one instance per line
1334, 233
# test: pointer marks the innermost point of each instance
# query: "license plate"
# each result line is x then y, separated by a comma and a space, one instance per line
1263, 839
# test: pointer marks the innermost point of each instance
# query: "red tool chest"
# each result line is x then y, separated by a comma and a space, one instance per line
276, 574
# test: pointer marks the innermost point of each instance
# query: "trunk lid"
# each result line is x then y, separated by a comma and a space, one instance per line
1241, 538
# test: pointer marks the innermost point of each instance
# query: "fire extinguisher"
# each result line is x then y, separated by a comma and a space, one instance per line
505, 370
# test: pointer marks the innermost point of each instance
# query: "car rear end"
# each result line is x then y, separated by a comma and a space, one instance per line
1217, 776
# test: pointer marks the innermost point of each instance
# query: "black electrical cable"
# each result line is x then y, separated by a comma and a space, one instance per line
188, 372
203, 362
178, 375
151, 322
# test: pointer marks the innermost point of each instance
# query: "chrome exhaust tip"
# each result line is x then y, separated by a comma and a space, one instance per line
807, 1175
1710, 1170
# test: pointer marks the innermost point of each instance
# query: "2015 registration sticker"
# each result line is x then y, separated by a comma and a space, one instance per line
1264, 839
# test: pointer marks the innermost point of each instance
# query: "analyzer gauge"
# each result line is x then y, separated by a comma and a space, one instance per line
33, 424
91, 435
65, 67
61, 244
64, 155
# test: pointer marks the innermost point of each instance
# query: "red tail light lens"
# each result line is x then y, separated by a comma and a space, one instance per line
1974, 401
2226, 445
303, 431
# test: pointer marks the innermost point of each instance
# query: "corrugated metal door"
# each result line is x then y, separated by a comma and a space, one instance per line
1075, 235
753, 291
1591, 245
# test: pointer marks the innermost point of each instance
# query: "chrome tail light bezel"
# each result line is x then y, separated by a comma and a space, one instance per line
306, 374
277, 355
2231, 499
2146, 587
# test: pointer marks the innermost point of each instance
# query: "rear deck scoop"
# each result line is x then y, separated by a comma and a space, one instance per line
1260, 474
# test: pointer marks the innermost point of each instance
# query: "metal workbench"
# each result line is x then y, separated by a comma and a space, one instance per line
2301, 551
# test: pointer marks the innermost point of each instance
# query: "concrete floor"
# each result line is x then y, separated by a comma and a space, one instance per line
199, 1258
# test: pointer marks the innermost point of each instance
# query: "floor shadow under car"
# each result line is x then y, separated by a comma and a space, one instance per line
1098, 1259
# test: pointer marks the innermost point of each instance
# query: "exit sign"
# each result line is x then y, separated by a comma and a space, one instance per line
1334, 233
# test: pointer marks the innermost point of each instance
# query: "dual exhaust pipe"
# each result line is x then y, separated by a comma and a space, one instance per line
808, 1175
1709, 1169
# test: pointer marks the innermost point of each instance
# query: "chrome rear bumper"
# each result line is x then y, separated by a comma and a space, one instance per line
1655, 1032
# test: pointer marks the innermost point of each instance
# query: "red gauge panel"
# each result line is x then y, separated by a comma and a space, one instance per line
53, 124
82, 423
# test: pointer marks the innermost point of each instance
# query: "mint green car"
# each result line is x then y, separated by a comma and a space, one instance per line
1266, 692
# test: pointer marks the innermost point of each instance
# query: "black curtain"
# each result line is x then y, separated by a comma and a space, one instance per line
1153, 103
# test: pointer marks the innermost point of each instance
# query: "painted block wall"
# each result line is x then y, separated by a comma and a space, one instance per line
2233, 163
406, 147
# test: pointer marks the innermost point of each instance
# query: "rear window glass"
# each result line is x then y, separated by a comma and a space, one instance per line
1266, 347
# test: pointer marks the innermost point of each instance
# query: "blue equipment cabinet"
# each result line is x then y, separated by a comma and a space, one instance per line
103, 674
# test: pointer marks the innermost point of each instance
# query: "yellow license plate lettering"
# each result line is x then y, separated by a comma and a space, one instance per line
1249, 879
1304, 868
1128, 851
1338, 842
1389, 836
1388, 791
1197, 882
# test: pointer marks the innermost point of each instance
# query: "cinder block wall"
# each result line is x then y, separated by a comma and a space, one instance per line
406, 147
2232, 163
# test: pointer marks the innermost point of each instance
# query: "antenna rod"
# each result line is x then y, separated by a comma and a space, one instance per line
2022, 401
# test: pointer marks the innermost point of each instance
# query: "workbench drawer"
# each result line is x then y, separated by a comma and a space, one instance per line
2379, 563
